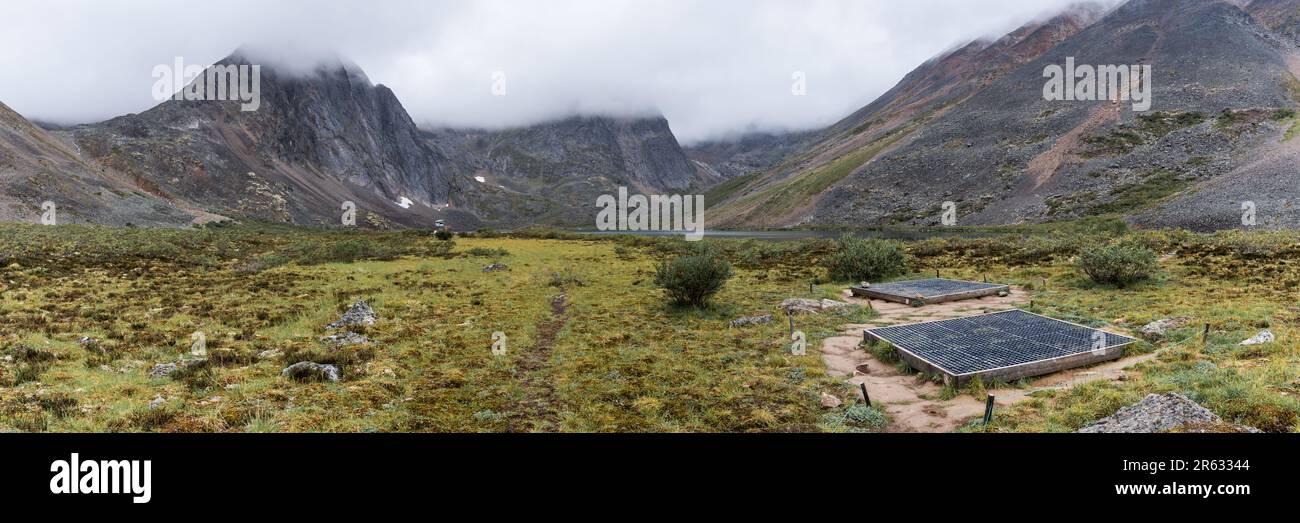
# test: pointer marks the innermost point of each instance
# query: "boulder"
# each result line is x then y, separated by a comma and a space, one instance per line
800, 305
359, 313
496, 267
751, 320
1264, 336
311, 371
829, 401
1161, 326
163, 370
345, 339
1159, 413
832, 304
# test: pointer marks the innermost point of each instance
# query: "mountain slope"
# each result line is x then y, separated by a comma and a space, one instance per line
786, 195
317, 140
36, 167
1003, 154
553, 172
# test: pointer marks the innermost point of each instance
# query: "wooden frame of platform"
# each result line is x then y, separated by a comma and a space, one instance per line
985, 289
1010, 372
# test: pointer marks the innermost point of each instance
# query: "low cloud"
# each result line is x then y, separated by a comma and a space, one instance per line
713, 67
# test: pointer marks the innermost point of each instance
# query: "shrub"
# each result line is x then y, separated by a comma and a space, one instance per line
440, 249
443, 234
692, 280
857, 259
565, 277
1118, 263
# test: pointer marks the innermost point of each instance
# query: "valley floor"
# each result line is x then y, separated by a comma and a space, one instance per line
589, 344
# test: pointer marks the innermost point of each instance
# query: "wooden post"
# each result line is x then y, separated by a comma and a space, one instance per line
936, 272
865, 398
1205, 334
988, 412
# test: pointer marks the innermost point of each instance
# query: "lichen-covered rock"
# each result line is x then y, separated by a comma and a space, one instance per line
1161, 326
801, 305
163, 370
360, 313
751, 320
311, 371
1158, 413
1263, 337
345, 339
496, 267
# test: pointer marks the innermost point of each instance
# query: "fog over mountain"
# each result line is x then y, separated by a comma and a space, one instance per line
713, 69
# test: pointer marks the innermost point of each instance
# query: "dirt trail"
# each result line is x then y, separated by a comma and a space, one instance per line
916, 407
538, 405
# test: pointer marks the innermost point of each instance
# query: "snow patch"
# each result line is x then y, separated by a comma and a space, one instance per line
480, 179
405, 203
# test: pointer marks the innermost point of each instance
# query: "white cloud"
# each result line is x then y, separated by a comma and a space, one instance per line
713, 67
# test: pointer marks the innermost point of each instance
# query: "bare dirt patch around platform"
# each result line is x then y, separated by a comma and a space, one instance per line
913, 404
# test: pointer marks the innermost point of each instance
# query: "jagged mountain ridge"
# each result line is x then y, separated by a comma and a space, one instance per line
317, 140
555, 170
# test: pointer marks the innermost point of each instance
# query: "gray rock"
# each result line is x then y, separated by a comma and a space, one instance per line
496, 267
1264, 336
832, 304
158, 401
268, 354
1157, 413
800, 305
830, 401
359, 314
163, 370
311, 371
345, 339
1161, 326
751, 320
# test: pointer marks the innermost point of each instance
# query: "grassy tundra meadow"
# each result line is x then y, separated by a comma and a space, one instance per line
585, 340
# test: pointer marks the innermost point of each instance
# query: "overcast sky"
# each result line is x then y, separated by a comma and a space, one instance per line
713, 67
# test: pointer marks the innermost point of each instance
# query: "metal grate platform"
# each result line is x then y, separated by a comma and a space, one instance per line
1003, 345
931, 290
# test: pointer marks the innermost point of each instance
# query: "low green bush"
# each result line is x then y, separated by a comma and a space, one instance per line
692, 280
1120, 263
858, 259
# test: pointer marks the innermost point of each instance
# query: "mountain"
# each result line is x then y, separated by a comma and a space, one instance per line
788, 193
973, 127
553, 172
36, 167
318, 139
750, 152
